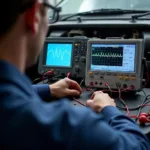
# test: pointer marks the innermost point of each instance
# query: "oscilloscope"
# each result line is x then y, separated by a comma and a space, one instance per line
64, 55
116, 62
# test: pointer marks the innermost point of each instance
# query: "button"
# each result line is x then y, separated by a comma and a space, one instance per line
132, 78
96, 83
126, 78
90, 73
108, 73
76, 68
96, 73
121, 77
133, 75
76, 44
101, 77
83, 59
52, 70
91, 84
76, 58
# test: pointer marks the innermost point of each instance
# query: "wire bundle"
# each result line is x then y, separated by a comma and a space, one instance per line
50, 76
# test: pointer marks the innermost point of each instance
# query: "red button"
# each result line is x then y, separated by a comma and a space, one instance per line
91, 83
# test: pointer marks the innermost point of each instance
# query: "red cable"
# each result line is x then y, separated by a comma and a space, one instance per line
123, 90
132, 116
69, 75
88, 89
145, 105
128, 112
78, 101
47, 73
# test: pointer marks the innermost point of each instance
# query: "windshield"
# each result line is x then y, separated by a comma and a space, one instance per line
75, 6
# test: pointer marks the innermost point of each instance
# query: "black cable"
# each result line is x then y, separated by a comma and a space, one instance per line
47, 77
120, 97
147, 102
54, 78
131, 109
36, 80
109, 89
146, 96
144, 92
140, 109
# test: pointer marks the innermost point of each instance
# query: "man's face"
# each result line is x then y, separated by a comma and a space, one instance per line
36, 41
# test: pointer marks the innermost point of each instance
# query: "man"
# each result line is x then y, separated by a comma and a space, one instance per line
27, 122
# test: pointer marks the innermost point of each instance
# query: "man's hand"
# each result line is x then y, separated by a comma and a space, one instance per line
99, 101
64, 88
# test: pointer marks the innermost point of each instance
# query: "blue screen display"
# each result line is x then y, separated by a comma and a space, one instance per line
59, 55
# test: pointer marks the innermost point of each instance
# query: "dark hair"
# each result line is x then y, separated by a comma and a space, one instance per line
9, 12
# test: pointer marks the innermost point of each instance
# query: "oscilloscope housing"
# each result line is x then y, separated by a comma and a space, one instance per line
99, 78
78, 57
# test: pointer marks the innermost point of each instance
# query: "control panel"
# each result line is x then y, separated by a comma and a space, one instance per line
63, 56
114, 62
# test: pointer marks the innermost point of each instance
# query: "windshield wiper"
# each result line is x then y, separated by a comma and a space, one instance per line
135, 17
103, 12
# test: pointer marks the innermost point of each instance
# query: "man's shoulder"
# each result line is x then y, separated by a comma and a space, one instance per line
12, 89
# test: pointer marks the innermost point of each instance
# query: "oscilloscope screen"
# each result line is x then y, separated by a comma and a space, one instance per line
59, 54
107, 56
113, 57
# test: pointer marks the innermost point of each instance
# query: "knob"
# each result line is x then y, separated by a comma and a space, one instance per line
83, 59
76, 58
76, 68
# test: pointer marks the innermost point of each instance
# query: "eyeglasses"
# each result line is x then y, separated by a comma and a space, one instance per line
54, 11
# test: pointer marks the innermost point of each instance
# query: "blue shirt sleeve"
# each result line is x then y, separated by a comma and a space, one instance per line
59, 125
42, 90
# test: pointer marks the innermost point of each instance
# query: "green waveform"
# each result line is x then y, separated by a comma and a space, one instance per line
107, 55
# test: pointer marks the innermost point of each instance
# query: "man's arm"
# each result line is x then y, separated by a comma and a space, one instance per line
60, 89
43, 90
33, 124
121, 133
59, 125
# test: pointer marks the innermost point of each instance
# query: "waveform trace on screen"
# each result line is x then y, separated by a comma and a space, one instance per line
107, 55
59, 55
